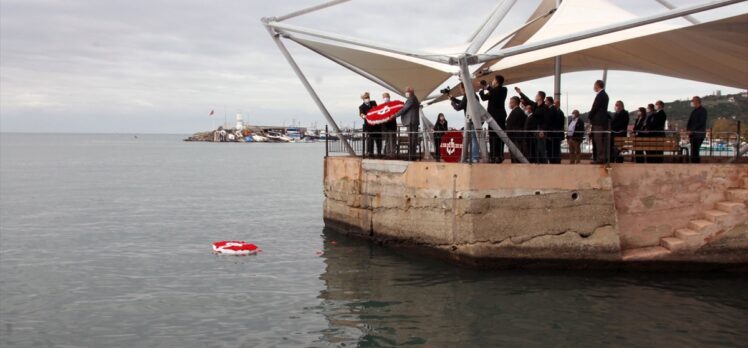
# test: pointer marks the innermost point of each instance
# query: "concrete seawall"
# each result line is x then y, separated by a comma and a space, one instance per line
485, 213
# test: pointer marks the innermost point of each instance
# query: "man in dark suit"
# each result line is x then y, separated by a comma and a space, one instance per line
555, 130
541, 117
411, 117
656, 128
532, 129
372, 133
515, 124
619, 125
599, 119
696, 128
496, 96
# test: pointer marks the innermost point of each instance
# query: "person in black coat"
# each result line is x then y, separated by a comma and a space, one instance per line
372, 133
639, 131
575, 137
541, 117
440, 127
515, 125
599, 119
496, 96
696, 128
656, 128
555, 130
619, 127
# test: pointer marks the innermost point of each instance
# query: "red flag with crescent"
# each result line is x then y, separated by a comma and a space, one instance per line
383, 113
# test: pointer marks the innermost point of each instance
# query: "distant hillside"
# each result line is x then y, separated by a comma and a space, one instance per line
723, 111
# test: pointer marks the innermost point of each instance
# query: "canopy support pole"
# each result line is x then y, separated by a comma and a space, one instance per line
490, 25
605, 77
473, 108
427, 136
310, 9
557, 71
308, 86
670, 6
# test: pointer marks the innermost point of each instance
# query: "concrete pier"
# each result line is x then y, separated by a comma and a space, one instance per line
529, 214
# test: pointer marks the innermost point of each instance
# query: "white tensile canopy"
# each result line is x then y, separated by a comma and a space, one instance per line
704, 42
713, 50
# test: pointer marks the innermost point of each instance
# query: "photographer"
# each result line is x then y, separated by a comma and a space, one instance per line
461, 105
495, 94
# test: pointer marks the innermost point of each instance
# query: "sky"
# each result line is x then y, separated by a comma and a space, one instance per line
158, 66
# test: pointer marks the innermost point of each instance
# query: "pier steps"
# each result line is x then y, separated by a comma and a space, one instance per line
699, 232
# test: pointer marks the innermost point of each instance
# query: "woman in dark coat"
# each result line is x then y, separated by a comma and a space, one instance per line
440, 127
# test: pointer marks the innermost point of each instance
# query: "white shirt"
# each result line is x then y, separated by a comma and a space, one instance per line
572, 125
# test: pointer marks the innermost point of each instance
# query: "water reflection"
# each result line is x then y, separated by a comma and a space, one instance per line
374, 296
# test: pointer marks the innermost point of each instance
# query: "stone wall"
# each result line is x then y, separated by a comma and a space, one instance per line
522, 212
653, 201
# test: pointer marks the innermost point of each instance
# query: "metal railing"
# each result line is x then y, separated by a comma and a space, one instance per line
717, 147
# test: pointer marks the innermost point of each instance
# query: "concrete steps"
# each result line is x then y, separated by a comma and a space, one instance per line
645, 254
737, 195
725, 215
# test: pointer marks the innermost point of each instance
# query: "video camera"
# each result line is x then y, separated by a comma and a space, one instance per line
446, 90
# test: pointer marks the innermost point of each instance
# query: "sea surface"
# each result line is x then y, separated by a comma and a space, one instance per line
105, 241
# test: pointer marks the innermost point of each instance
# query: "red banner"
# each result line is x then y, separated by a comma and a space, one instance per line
383, 113
450, 147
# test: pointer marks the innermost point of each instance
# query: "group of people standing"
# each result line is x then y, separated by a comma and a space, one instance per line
383, 137
538, 126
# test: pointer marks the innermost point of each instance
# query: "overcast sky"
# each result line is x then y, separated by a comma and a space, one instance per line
160, 66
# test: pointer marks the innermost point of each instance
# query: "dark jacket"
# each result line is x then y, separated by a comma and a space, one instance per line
541, 113
697, 123
599, 112
533, 123
461, 104
496, 99
557, 122
656, 124
364, 109
639, 124
441, 128
620, 123
516, 120
578, 129
411, 112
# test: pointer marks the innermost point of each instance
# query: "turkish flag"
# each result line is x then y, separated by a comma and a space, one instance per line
450, 148
383, 113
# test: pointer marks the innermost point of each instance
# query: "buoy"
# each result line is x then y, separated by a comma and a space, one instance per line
235, 247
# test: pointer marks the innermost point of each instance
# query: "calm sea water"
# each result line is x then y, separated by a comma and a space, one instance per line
105, 241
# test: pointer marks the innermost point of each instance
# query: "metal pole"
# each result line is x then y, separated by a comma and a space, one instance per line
670, 6
557, 79
557, 71
605, 77
605, 30
310, 9
309, 89
490, 25
427, 139
473, 106
737, 143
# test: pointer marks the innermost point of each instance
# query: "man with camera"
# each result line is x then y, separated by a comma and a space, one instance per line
495, 94
461, 105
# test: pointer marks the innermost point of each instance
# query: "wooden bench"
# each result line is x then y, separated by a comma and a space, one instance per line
666, 146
